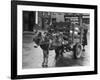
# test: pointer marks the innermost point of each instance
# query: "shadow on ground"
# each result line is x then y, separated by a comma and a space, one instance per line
65, 61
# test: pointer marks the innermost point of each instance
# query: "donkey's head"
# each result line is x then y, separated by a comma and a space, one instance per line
37, 39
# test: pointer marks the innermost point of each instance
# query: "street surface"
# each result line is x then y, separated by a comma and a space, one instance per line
33, 57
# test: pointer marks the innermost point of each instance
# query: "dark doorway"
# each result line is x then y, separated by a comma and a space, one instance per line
28, 20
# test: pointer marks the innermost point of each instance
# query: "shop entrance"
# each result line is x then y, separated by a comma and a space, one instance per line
28, 20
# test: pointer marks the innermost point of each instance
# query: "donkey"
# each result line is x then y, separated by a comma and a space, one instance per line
49, 42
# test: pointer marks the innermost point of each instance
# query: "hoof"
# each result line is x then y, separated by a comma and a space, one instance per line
44, 66
35, 46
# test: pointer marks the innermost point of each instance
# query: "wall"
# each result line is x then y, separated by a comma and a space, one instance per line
5, 40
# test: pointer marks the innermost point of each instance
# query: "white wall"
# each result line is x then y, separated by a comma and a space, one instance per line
5, 41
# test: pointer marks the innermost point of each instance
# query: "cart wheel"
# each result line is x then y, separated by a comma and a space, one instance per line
77, 50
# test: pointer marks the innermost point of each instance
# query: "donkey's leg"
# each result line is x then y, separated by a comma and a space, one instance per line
59, 52
56, 56
45, 58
